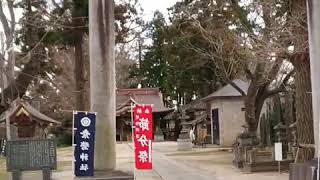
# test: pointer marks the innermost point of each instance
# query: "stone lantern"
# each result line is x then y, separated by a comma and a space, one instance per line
184, 141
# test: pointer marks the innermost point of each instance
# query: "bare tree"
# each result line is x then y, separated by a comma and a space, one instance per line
8, 25
9, 29
240, 49
260, 50
124, 61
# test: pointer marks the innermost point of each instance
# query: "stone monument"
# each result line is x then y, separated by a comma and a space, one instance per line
31, 155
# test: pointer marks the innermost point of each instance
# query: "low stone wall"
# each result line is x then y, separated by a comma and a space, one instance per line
266, 166
262, 160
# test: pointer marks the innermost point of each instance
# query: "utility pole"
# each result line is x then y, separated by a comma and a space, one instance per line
140, 52
2, 78
102, 81
314, 42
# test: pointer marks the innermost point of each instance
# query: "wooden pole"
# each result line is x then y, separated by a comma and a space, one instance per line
8, 128
73, 144
133, 145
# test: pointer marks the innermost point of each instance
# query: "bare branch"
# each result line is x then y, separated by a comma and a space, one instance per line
4, 21
55, 4
282, 86
242, 16
13, 18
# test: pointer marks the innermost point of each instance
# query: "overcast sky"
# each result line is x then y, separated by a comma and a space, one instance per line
150, 6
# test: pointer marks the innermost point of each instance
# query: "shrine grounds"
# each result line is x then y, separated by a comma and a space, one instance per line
210, 163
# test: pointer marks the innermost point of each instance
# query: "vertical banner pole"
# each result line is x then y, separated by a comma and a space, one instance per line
73, 128
318, 149
279, 167
133, 146
150, 151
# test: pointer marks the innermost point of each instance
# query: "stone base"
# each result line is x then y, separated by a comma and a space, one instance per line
184, 144
158, 138
303, 171
266, 166
107, 175
238, 164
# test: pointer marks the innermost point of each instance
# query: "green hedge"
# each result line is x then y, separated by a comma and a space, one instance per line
64, 139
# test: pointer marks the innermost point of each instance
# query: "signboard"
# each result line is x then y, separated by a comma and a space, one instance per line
27, 155
84, 135
278, 151
143, 135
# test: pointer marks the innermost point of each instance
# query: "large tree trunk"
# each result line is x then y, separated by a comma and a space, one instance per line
79, 72
102, 81
253, 106
250, 115
79, 65
301, 62
303, 105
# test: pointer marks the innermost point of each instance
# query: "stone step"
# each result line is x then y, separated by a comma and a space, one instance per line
107, 178
101, 175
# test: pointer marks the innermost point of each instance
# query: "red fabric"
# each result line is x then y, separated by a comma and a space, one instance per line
143, 131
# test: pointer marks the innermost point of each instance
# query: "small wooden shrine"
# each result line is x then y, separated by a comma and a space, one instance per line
26, 121
127, 97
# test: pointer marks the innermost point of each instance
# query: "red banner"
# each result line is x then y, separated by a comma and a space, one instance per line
143, 133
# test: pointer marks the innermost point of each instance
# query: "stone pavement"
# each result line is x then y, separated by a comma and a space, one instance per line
209, 163
170, 169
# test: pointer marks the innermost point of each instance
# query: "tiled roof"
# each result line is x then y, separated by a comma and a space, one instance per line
197, 120
140, 96
229, 90
196, 104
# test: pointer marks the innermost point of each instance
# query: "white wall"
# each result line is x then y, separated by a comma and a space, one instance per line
231, 119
